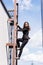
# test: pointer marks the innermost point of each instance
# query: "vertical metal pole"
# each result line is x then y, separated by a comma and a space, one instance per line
17, 12
15, 33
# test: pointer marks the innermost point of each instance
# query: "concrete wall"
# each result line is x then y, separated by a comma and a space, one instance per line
3, 35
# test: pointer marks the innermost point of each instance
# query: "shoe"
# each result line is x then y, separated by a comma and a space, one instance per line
18, 48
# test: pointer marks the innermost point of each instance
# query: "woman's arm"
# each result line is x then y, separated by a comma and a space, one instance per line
20, 29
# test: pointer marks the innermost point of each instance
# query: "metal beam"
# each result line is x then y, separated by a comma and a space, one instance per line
15, 33
10, 10
10, 19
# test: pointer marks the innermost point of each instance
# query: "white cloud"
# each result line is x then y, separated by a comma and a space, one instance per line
33, 57
24, 4
28, 5
36, 40
26, 51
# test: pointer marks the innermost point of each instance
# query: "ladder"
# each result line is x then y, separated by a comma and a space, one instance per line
11, 48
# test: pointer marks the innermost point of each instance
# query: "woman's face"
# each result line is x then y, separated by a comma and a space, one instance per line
26, 24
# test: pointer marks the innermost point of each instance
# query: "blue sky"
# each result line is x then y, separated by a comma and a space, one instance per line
30, 13
30, 10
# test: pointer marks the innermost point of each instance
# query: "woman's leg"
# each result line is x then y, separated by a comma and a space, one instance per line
18, 42
22, 46
20, 53
24, 43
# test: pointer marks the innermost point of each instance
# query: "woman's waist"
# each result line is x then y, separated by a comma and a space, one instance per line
25, 37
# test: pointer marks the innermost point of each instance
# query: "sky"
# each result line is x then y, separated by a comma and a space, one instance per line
30, 10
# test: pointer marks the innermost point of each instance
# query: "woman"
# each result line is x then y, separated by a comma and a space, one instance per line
25, 38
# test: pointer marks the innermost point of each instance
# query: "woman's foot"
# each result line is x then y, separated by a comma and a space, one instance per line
18, 48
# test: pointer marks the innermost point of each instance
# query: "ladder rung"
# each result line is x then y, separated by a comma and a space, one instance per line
17, 58
9, 44
11, 10
10, 19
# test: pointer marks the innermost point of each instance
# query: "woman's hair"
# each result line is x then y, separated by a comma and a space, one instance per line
26, 25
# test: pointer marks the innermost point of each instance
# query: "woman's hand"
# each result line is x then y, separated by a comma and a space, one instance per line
17, 25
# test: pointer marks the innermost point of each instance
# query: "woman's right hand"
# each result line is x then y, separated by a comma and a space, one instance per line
17, 25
